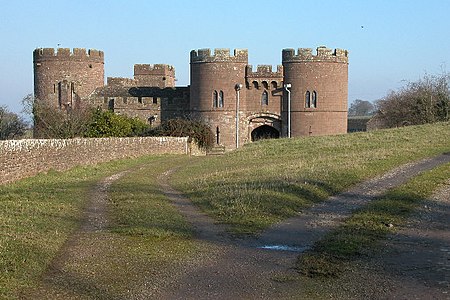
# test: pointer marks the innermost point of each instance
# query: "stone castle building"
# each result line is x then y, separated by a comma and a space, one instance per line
306, 95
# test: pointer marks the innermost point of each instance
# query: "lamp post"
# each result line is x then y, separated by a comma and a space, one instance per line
287, 86
237, 87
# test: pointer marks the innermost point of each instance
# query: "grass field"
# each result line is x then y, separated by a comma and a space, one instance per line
38, 214
249, 189
270, 180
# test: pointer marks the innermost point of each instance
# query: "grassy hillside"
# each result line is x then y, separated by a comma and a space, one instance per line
270, 180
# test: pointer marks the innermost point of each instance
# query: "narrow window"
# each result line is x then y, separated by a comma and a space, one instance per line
314, 99
265, 84
220, 99
217, 135
140, 100
215, 99
274, 85
255, 84
265, 98
307, 99
155, 100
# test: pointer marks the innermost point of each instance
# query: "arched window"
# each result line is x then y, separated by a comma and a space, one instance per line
265, 84
265, 98
314, 100
220, 100
215, 99
307, 99
274, 84
255, 84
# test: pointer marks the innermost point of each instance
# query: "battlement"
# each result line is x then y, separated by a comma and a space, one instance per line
322, 54
121, 81
157, 69
77, 54
264, 71
220, 55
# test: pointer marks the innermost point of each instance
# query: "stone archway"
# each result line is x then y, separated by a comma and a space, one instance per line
264, 132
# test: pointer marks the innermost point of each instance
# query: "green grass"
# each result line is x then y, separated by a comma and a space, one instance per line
362, 232
38, 214
271, 180
250, 189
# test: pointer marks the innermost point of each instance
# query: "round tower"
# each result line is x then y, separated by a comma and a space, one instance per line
319, 90
63, 77
213, 94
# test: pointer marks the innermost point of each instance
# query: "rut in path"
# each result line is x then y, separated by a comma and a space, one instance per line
59, 281
244, 270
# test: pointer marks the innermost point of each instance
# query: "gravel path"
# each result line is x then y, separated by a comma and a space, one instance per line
247, 269
244, 269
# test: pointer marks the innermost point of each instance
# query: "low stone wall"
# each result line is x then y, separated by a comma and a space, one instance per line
24, 158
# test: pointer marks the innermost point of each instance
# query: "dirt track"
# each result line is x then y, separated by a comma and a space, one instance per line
245, 271
240, 269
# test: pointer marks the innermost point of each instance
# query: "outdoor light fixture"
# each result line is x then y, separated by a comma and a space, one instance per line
237, 87
287, 86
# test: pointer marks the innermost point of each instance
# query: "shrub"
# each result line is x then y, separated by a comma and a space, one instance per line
109, 124
421, 102
195, 130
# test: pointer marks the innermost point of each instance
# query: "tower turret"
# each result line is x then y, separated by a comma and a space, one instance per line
213, 94
64, 77
319, 90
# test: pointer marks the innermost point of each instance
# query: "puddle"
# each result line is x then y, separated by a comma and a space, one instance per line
283, 248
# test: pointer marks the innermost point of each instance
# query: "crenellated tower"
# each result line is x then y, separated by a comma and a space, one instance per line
158, 75
213, 95
64, 77
319, 90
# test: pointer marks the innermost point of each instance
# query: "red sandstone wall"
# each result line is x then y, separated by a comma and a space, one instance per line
327, 74
25, 158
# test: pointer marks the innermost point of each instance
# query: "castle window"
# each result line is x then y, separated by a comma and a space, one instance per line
307, 99
140, 100
265, 84
314, 99
215, 99
255, 84
155, 100
265, 98
164, 78
274, 84
221, 99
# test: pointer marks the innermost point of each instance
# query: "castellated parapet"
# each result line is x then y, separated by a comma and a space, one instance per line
77, 54
220, 55
264, 71
157, 69
158, 75
322, 54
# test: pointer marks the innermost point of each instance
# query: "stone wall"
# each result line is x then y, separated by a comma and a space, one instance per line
24, 158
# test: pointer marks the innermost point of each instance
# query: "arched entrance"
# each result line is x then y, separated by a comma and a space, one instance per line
264, 132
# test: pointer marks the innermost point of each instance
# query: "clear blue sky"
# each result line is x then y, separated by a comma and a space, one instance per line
390, 41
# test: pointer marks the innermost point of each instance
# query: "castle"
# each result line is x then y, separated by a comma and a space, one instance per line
306, 95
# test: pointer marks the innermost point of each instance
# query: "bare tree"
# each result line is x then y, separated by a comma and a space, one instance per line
55, 122
424, 101
12, 126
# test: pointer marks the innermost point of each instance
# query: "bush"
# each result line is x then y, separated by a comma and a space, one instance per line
195, 130
109, 124
424, 101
